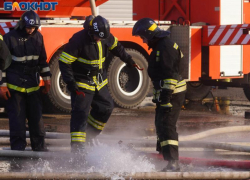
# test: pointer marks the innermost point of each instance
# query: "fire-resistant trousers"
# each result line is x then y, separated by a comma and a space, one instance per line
94, 109
165, 123
21, 106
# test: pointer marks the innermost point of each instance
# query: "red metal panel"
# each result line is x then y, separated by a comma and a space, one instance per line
205, 11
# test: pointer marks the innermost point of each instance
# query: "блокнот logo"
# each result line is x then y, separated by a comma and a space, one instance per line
25, 6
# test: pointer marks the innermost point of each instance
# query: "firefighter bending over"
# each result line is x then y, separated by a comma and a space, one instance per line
82, 64
21, 84
169, 88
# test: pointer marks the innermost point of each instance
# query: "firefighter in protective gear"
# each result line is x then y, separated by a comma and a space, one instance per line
169, 88
21, 82
82, 65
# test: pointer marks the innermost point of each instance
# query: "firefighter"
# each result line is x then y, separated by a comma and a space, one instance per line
82, 65
21, 87
169, 88
5, 56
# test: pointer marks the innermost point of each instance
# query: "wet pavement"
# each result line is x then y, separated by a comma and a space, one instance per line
133, 129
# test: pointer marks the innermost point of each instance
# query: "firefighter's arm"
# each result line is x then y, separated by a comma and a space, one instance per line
169, 80
5, 56
68, 56
44, 69
118, 50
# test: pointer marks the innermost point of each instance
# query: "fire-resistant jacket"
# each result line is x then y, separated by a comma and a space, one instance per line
5, 56
28, 61
163, 66
83, 60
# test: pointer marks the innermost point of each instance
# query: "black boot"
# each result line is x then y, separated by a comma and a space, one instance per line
173, 166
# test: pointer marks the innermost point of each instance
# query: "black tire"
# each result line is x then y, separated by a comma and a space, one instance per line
58, 95
246, 90
197, 91
128, 86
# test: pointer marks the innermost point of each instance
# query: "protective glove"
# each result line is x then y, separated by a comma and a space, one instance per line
80, 93
130, 63
165, 97
156, 95
47, 84
4, 93
72, 87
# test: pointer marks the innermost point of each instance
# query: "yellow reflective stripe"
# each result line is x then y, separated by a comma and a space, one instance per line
181, 83
100, 54
167, 105
21, 89
68, 56
169, 142
114, 45
1, 37
99, 86
64, 60
97, 124
90, 23
90, 61
175, 46
77, 139
158, 53
85, 86
180, 89
153, 27
78, 134
170, 81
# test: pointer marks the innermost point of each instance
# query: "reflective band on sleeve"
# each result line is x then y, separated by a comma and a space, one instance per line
1, 37
114, 45
180, 87
21, 89
95, 123
25, 58
46, 69
169, 142
67, 58
169, 84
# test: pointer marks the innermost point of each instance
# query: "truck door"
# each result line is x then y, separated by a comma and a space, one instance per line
231, 58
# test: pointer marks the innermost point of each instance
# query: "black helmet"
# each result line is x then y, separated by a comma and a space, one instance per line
147, 28
99, 27
29, 19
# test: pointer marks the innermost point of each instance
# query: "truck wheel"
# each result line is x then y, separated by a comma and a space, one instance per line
58, 95
197, 91
246, 90
128, 86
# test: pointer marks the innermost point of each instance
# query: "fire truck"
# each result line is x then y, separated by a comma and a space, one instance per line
214, 36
